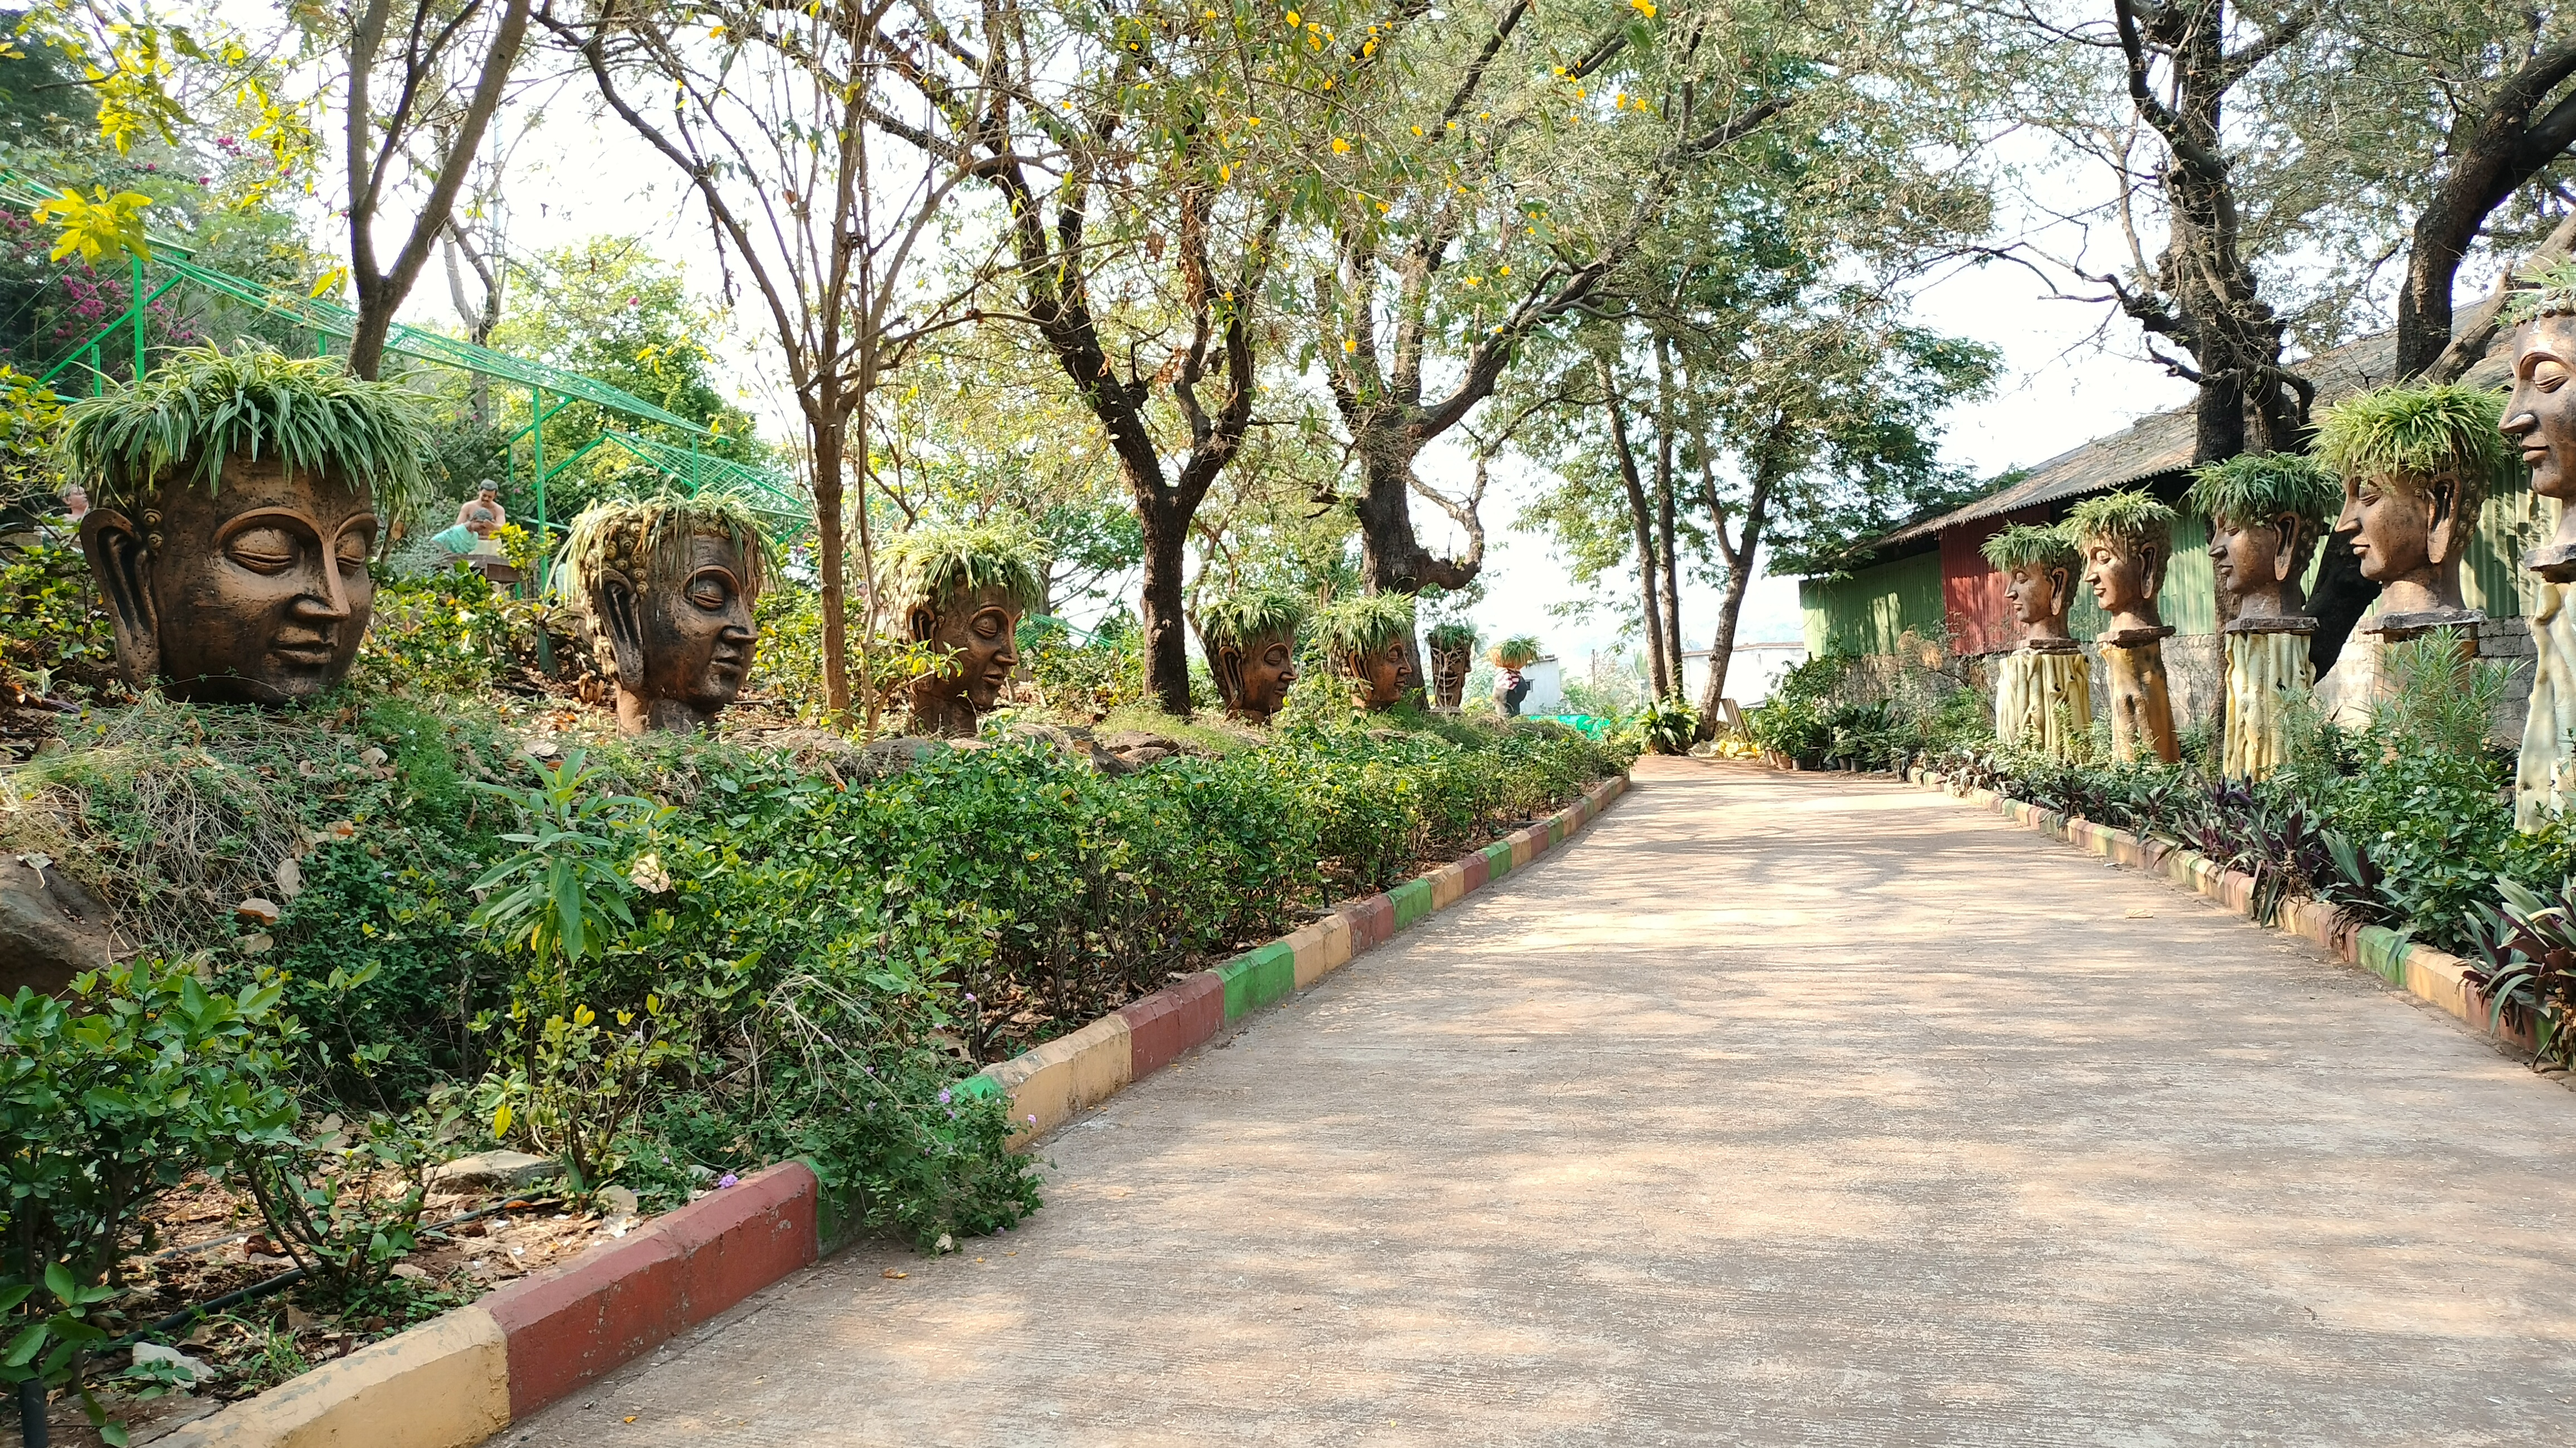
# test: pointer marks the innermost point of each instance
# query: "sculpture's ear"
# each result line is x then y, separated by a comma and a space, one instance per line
1228, 668
2449, 536
622, 614
2151, 569
2062, 582
122, 564
922, 621
2294, 537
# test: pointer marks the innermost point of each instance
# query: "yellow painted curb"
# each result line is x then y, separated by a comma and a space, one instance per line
2436, 976
1321, 949
1448, 885
1523, 851
443, 1384
1053, 1081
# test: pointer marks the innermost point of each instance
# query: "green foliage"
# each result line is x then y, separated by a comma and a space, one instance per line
53, 633
1086, 678
1359, 622
2548, 291
348, 1203
452, 633
928, 565
2252, 487
1451, 636
561, 893
2406, 436
1516, 652
1241, 615
2028, 545
2133, 517
108, 1098
1669, 726
204, 404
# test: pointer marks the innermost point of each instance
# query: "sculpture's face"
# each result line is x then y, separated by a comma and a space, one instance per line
698, 628
2541, 416
2247, 557
256, 593
1387, 673
974, 631
1267, 669
2039, 593
2396, 529
2120, 577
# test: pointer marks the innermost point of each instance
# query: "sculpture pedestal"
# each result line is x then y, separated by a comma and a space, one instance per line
2141, 701
2546, 774
2267, 664
2044, 701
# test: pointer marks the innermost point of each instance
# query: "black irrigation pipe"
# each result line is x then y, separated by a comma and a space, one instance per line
288, 1278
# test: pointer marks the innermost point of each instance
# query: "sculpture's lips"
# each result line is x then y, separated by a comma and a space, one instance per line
2535, 456
309, 651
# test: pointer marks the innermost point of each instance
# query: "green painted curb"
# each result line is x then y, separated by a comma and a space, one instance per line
1258, 977
978, 1084
1498, 860
1412, 901
2383, 952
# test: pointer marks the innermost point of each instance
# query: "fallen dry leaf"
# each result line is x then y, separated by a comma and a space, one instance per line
897, 1276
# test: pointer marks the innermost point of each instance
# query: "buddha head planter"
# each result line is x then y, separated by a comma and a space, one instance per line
1453, 653
668, 585
2040, 568
2415, 464
963, 592
2540, 417
2266, 512
1370, 639
2126, 539
235, 508
1251, 640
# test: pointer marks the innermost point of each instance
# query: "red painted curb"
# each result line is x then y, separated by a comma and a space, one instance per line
620, 1300
1171, 1020
1478, 870
1372, 922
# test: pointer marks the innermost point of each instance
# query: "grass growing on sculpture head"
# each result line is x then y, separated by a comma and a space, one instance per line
1238, 616
2406, 437
1455, 636
1517, 652
2028, 545
2133, 517
932, 563
2548, 291
205, 404
648, 536
2256, 487
1364, 621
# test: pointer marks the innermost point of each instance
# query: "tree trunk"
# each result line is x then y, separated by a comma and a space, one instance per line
1167, 660
1641, 521
830, 428
1741, 561
1664, 443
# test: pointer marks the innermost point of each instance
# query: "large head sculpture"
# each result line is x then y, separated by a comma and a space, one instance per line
2266, 512
1369, 637
2415, 464
2040, 568
2126, 539
963, 592
1453, 653
2540, 417
234, 508
668, 585
1251, 640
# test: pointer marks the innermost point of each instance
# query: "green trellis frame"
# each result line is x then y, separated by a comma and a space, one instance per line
772, 496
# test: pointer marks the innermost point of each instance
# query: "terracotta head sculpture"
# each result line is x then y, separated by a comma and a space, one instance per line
2040, 568
2126, 539
1453, 652
2415, 464
235, 508
2266, 512
1251, 640
2540, 417
1370, 639
963, 592
668, 585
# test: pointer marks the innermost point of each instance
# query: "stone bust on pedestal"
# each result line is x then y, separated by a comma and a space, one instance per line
963, 592
2127, 538
1250, 636
668, 585
2540, 424
2266, 512
2044, 691
231, 548
2415, 463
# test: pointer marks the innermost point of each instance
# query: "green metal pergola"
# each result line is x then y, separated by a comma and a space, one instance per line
550, 388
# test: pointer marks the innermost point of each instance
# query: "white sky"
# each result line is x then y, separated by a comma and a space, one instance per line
574, 177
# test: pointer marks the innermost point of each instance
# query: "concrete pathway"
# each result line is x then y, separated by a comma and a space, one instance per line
1773, 1109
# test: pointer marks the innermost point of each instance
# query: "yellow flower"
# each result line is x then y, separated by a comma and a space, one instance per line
1252, 120
1350, 344
1382, 208
1503, 271
1207, 15
1292, 19
1328, 82
1643, 7
1453, 125
1578, 92
1340, 146
1475, 281
1225, 173
1417, 130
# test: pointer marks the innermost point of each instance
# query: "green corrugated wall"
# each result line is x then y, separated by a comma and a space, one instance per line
1866, 612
